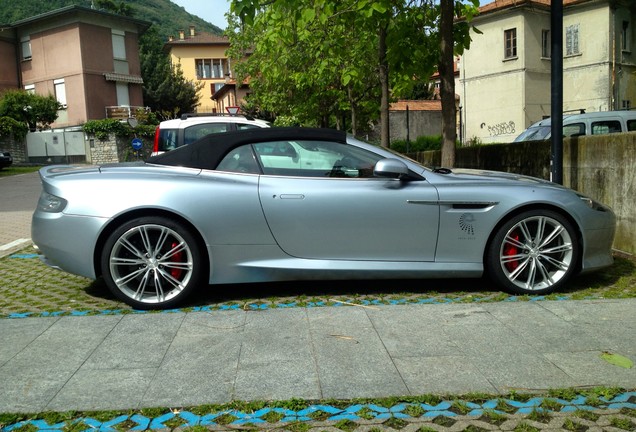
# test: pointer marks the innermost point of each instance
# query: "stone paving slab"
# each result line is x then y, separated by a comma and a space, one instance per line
184, 358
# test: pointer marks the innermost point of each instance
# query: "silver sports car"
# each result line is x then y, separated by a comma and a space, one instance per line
286, 204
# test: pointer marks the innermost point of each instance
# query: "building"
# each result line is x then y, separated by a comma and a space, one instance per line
505, 76
88, 59
202, 58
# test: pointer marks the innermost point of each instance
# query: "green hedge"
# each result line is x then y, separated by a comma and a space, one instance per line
10, 127
422, 143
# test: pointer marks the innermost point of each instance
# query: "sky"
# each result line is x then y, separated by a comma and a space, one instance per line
213, 11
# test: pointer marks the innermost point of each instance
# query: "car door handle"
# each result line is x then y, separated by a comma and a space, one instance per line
291, 196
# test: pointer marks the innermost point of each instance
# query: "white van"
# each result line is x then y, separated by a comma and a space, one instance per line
593, 123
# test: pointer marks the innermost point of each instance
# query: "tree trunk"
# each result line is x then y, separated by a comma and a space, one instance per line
447, 87
384, 84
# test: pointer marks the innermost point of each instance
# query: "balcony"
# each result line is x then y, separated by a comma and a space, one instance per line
122, 112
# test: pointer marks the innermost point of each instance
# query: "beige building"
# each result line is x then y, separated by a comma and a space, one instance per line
87, 59
505, 76
202, 57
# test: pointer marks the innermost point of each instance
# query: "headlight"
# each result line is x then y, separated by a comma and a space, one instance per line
51, 203
592, 204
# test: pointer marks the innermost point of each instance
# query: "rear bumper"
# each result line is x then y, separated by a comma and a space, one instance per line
67, 242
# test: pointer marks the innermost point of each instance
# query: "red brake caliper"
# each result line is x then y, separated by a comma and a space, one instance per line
510, 250
178, 257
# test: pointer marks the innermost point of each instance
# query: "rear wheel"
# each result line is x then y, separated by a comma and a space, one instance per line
151, 263
535, 252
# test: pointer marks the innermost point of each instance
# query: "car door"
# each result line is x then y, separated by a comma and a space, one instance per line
314, 213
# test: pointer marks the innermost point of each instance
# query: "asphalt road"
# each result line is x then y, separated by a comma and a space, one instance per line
18, 199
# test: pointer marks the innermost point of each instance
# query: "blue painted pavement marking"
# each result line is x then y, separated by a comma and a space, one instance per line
352, 413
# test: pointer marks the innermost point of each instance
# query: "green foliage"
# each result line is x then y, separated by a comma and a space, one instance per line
36, 111
422, 143
120, 8
317, 67
10, 127
322, 61
286, 121
101, 129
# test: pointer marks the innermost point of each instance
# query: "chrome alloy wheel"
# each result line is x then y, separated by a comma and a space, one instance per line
536, 253
151, 263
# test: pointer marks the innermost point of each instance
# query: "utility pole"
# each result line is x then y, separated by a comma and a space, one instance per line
556, 160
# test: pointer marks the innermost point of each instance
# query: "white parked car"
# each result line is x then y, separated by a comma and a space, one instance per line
592, 123
171, 134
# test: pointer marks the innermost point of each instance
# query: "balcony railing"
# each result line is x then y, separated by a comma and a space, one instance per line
122, 112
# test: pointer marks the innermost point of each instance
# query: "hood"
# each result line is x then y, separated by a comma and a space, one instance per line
475, 175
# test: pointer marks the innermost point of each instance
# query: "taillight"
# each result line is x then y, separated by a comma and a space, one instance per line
155, 148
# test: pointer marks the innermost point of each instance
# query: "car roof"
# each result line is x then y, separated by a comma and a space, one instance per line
207, 152
582, 116
183, 122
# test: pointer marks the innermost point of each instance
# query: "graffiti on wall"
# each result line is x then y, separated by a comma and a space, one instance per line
503, 128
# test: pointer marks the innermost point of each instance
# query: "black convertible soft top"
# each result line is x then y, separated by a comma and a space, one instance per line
207, 152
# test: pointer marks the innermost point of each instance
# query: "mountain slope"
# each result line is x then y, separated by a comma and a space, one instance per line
168, 17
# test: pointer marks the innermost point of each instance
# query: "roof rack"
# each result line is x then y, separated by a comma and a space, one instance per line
214, 114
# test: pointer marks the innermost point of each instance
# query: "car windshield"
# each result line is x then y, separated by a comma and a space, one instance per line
536, 133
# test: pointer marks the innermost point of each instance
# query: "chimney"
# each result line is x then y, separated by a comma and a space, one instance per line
181, 34
191, 31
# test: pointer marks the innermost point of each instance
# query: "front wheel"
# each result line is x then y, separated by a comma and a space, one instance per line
535, 252
151, 263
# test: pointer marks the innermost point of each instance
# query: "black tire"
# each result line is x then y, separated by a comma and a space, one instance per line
151, 263
535, 252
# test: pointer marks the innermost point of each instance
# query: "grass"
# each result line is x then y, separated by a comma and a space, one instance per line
30, 287
18, 169
229, 413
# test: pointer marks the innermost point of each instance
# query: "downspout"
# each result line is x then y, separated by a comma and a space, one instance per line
18, 61
612, 100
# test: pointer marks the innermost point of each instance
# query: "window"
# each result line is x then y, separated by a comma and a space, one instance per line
119, 44
510, 41
30, 88
546, 43
572, 40
625, 37
123, 98
212, 68
241, 159
574, 129
244, 126
631, 125
608, 126
60, 91
193, 133
627, 104
321, 159
25, 44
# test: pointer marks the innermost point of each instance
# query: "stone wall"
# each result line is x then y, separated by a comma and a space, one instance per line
103, 152
602, 167
17, 149
420, 123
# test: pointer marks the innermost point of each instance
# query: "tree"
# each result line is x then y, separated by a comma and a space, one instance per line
120, 8
314, 68
36, 111
405, 34
166, 91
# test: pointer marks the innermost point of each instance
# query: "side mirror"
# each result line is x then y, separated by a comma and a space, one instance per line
390, 168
